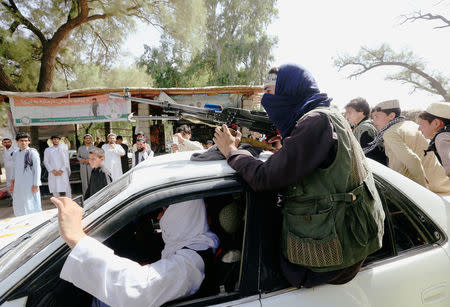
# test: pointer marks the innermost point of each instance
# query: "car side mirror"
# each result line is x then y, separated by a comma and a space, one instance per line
78, 200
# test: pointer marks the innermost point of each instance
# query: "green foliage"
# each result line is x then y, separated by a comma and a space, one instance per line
237, 49
91, 75
96, 40
17, 55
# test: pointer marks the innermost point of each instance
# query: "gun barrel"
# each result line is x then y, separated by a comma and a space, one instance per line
255, 121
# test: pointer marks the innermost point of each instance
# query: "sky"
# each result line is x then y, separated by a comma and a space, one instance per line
313, 33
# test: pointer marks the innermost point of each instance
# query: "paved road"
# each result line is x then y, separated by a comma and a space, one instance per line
6, 210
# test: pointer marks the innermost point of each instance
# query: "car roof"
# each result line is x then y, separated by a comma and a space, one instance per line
177, 167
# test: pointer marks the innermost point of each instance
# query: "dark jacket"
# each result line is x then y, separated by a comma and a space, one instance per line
100, 178
124, 159
311, 145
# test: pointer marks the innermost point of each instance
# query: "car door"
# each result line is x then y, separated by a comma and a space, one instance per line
44, 288
412, 269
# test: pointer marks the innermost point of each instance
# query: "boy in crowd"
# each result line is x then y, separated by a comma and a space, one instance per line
26, 177
100, 177
434, 123
404, 147
357, 112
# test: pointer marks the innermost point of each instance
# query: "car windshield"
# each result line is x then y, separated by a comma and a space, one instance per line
30, 243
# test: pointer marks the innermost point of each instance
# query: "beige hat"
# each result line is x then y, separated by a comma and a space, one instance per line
439, 109
388, 104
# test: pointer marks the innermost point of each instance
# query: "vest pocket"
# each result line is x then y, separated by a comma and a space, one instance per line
361, 224
311, 239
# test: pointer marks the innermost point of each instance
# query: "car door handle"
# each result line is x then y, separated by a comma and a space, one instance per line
435, 294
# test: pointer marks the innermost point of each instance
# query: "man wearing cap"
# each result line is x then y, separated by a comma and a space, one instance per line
143, 151
8, 151
83, 157
56, 161
404, 147
434, 123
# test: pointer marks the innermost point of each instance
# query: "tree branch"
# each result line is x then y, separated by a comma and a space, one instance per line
435, 84
419, 15
14, 10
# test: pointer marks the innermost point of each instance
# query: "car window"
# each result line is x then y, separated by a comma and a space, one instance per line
140, 240
406, 226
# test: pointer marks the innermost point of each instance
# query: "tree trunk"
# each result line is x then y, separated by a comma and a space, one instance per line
6, 83
107, 126
47, 70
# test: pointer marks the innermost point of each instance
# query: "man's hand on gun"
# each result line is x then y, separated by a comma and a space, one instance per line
225, 141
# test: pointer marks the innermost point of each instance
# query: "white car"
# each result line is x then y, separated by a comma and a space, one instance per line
412, 268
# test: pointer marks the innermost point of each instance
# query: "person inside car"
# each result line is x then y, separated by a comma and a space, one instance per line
117, 281
332, 216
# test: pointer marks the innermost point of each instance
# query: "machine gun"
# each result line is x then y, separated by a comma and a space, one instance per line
253, 120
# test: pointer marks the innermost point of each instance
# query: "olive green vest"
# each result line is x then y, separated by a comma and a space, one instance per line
333, 218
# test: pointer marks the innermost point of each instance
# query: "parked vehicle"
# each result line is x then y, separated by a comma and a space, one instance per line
411, 269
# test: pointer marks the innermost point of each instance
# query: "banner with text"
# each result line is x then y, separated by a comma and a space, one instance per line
41, 111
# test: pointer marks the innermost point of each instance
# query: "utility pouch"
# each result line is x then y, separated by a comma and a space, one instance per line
310, 235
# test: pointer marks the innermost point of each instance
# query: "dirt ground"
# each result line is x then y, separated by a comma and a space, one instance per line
6, 209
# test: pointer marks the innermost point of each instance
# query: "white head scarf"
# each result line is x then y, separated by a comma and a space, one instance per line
185, 225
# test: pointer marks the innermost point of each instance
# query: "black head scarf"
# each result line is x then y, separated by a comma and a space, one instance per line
296, 93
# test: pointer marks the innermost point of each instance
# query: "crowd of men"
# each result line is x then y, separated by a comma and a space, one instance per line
99, 166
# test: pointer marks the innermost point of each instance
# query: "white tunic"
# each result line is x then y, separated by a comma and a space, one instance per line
9, 163
118, 281
26, 174
112, 159
57, 158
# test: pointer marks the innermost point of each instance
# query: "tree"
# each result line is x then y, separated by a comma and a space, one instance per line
85, 31
413, 70
237, 49
419, 15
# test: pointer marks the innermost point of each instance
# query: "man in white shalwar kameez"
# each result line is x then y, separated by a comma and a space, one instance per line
9, 149
83, 157
113, 152
56, 161
26, 177
118, 281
